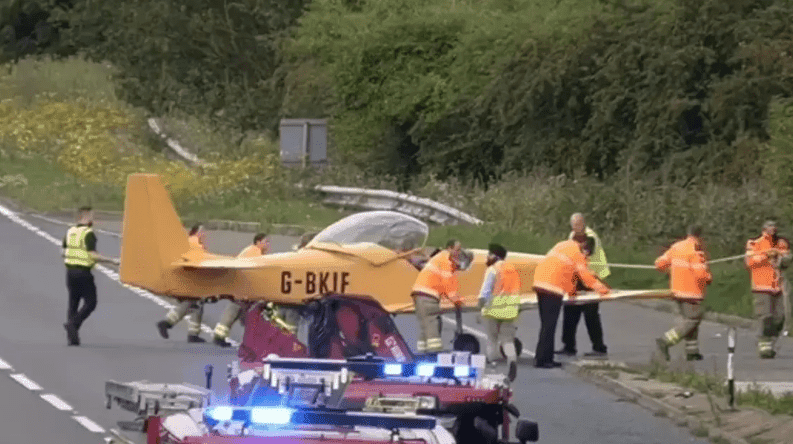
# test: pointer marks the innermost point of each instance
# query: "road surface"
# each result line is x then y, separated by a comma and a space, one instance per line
120, 342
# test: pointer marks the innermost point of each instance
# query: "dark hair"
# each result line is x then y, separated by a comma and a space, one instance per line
195, 229
451, 243
497, 250
695, 230
85, 209
258, 237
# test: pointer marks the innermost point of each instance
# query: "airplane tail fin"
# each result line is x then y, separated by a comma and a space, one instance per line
152, 234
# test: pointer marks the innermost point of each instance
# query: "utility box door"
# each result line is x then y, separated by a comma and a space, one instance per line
304, 138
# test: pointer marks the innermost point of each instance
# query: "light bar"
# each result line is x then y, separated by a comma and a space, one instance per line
271, 415
286, 416
448, 365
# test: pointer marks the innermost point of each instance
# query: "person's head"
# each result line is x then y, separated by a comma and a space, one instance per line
769, 228
85, 214
261, 241
578, 223
586, 243
496, 253
694, 230
453, 245
198, 231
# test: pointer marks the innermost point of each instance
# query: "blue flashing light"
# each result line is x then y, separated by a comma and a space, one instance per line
393, 369
271, 415
221, 413
462, 371
425, 369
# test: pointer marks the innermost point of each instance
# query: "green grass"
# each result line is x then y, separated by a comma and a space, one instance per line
49, 188
714, 386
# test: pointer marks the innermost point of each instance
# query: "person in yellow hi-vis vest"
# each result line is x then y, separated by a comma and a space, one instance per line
571, 314
500, 302
235, 311
80, 256
196, 239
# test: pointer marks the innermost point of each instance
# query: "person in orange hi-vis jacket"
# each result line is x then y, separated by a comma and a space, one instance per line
686, 263
436, 279
766, 257
197, 240
235, 311
555, 276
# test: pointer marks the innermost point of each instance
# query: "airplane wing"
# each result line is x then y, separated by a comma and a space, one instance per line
202, 259
528, 301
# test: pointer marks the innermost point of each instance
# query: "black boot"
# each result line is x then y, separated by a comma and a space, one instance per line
163, 327
71, 333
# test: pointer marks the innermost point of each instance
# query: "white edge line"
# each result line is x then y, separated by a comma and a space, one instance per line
88, 424
25, 381
5, 366
57, 402
106, 271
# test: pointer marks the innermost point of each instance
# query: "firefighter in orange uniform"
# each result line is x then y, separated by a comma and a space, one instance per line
196, 239
235, 311
436, 280
686, 262
556, 275
766, 256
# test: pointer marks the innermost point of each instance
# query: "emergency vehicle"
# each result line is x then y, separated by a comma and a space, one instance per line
360, 400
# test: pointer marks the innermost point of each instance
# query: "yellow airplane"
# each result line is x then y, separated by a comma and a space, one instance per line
366, 253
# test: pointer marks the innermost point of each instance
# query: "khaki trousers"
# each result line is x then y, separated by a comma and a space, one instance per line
769, 312
427, 310
500, 334
687, 329
196, 310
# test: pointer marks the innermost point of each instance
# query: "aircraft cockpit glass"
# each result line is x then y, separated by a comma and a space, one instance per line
395, 231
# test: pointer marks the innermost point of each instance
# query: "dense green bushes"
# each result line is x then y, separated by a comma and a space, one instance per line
204, 57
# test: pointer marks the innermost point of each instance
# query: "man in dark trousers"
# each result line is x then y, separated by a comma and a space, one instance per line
571, 314
80, 256
556, 276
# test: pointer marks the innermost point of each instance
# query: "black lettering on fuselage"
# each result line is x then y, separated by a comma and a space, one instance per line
311, 282
286, 285
323, 282
340, 282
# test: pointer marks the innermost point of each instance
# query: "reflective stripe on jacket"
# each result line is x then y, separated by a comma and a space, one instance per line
688, 269
597, 261
502, 285
559, 271
437, 278
76, 252
766, 277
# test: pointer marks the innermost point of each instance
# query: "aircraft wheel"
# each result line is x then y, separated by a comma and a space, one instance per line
467, 343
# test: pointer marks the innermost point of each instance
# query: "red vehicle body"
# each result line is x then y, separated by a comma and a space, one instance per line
344, 326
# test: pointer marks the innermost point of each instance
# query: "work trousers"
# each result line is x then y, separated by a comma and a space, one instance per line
81, 286
234, 312
196, 310
769, 311
549, 306
500, 334
427, 310
570, 318
688, 327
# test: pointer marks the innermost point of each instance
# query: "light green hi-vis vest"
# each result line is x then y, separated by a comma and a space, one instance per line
597, 262
76, 252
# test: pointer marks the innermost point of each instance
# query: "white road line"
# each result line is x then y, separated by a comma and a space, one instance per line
88, 424
57, 402
5, 366
476, 332
25, 381
104, 270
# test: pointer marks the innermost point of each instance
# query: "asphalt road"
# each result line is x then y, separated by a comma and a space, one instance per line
120, 342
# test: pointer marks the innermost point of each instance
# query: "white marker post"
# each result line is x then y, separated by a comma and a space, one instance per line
730, 373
